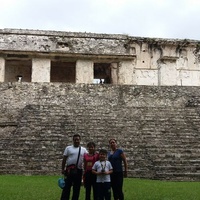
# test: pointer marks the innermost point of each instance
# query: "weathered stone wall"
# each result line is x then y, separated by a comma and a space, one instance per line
158, 127
63, 42
137, 60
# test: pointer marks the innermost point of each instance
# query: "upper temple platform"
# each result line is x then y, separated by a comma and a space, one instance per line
58, 56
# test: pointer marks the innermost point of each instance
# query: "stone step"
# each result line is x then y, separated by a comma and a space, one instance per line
178, 176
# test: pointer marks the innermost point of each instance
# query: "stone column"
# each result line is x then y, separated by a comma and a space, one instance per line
40, 70
84, 71
167, 74
2, 69
114, 73
126, 72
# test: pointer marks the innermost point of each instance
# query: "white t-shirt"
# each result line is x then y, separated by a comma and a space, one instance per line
102, 165
72, 155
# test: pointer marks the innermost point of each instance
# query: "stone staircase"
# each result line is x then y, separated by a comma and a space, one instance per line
160, 142
171, 140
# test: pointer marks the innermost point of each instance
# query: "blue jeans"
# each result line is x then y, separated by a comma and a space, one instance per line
104, 191
90, 183
117, 185
72, 181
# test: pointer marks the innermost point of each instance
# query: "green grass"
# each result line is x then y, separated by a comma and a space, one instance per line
45, 188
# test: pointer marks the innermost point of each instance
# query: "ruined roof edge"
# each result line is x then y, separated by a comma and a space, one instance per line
93, 35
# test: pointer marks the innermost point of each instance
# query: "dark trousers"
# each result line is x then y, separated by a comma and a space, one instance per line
90, 183
117, 185
103, 191
72, 181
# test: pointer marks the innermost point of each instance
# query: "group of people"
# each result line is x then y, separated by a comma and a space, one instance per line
103, 171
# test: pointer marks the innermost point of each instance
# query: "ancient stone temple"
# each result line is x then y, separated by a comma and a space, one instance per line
50, 56
149, 100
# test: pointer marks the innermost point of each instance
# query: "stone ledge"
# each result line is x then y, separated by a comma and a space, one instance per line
4, 124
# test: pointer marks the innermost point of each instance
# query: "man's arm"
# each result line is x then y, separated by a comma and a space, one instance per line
63, 164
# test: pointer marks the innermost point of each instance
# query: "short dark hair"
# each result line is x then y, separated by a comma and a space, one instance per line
76, 135
89, 144
103, 151
113, 140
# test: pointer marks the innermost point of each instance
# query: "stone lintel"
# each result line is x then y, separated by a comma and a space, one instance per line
21, 55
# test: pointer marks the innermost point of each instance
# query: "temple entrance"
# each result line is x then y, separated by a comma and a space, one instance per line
63, 71
18, 70
102, 73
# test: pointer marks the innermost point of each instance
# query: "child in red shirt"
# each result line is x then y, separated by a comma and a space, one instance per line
90, 179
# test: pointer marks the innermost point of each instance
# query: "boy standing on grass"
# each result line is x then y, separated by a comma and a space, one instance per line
103, 168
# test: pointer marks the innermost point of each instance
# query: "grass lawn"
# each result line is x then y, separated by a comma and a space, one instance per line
45, 188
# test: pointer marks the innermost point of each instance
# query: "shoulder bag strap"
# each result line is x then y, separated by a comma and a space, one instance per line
78, 156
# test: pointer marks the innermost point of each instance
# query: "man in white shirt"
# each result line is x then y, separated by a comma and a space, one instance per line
72, 164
